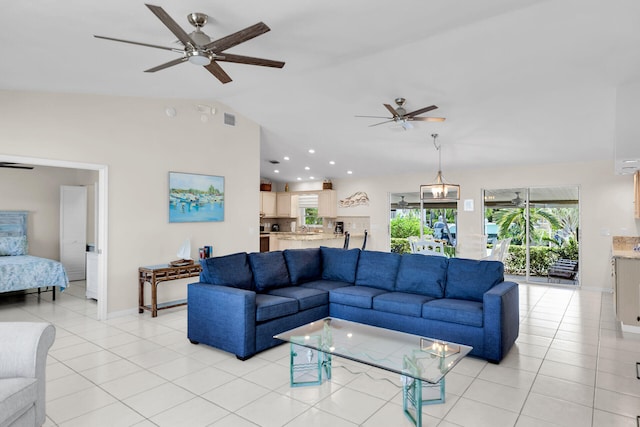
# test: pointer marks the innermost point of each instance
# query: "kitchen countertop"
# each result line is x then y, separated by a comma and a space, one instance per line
314, 236
626, 254
622, 247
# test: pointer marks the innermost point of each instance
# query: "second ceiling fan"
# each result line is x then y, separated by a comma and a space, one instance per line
400, 116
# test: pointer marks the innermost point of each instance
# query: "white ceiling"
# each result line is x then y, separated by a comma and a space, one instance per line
519, 81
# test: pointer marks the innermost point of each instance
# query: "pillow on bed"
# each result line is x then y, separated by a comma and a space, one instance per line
13, 245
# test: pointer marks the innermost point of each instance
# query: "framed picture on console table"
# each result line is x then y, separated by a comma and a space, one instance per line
195, 197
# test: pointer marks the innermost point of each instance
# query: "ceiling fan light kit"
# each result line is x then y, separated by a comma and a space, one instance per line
199, 49
439, 191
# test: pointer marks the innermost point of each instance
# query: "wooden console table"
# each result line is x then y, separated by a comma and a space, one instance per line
154, 274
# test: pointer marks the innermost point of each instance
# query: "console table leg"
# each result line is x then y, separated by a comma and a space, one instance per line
141, 294
154, 299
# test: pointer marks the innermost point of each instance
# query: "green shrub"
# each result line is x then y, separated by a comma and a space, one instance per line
405, 226
400, 246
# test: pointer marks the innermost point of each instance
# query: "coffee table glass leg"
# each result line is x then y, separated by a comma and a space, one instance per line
412, 400
306, 365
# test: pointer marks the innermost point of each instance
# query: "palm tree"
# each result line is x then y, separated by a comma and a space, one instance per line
512, 222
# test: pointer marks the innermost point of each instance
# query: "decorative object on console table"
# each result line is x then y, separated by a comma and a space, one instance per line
195, 198
155, 274
184, 255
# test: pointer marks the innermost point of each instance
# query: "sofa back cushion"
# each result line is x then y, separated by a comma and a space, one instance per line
377, 269
469, 279
339, 264
229, 270
304, 265
269, 270
422, 274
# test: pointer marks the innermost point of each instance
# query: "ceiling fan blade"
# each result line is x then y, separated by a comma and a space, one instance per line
420, 111
241, 59
166, 65
238, 37
427, 119
381, 123
11, 165
218, 72
173, 49
374, 117
391, 110
172, 25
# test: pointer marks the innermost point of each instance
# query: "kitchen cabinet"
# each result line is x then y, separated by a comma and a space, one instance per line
267, 204
264, 243
636, 193
627, 290
327, 204
287, 205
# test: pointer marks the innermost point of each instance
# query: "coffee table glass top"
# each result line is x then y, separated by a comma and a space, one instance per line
410, 355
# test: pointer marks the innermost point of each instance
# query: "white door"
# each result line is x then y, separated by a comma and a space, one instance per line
73, 230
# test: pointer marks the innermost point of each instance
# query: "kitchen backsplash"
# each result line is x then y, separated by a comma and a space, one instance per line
352, 224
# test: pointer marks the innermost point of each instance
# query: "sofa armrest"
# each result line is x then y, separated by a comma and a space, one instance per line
23, 353
501, 307
223, 317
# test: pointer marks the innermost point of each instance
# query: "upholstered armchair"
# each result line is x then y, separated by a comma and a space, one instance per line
23, 358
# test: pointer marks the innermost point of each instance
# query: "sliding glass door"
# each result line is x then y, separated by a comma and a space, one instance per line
541, 225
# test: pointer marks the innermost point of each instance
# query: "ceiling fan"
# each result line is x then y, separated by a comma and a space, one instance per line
518, 201
400, 115
402, 204
12, 165
199, 49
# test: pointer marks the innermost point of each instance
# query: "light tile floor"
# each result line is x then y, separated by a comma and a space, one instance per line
571, 366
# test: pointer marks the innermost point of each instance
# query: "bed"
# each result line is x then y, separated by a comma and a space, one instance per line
20, 271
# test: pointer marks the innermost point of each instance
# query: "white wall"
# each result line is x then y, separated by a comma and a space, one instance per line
38, 191
606, 204
140, 144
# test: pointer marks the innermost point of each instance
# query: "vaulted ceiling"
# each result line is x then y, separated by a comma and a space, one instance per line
519, 81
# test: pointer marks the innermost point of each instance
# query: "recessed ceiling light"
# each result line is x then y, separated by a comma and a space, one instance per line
311, 151
286, 158
311, 177
276, 171
307, 168
331, 162
299, 179
349, 172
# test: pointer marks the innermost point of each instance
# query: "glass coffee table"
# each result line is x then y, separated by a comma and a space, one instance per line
422, 362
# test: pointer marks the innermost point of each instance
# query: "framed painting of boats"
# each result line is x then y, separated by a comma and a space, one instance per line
195, 197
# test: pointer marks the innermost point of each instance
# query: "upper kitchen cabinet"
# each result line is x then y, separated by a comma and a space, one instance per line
268, 204
286, 205
327, 204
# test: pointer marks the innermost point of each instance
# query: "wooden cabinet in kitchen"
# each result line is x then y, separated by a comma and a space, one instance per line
267, 204
627, 290
636, 193
287, 205
327, 204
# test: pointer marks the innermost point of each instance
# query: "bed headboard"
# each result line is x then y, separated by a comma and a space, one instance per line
13, 223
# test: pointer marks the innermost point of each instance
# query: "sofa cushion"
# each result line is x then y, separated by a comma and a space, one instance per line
355, 296
422, 274
469, 279
229, 270
377, 269
325, 285
463, 312
306, 297
269, 270
17, 396
304, 265
339, 264
400, 303
272, 306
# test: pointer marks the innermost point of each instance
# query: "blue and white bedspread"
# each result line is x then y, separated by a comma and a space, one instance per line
27, 272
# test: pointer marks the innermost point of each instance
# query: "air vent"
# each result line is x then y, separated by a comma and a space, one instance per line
229, 119
274, 162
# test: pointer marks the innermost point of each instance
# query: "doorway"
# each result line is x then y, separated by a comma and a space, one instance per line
542, 224
101, 209
436, 221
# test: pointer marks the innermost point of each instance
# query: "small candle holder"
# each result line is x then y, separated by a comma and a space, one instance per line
438, 348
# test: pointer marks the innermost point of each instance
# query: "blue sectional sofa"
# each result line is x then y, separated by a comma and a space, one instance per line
242, 300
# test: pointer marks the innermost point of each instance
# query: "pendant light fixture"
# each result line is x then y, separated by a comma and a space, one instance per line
439, 191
